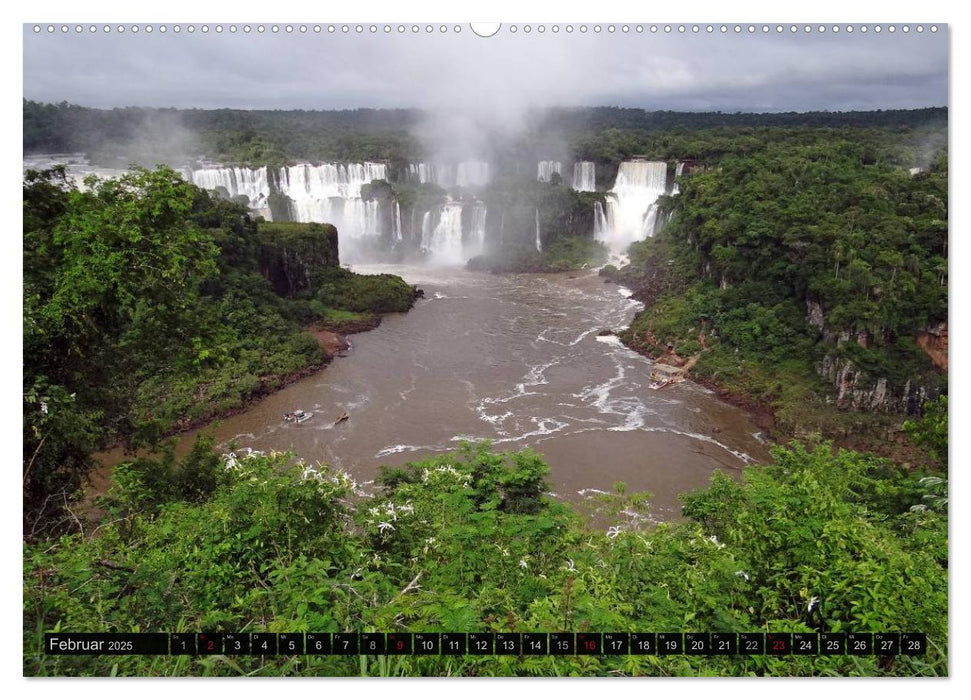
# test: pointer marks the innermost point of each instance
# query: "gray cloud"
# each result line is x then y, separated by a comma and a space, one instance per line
498, 77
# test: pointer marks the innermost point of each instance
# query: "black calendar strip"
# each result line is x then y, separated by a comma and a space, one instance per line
490, 643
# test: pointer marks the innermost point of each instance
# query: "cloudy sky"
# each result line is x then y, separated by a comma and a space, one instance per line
506, 72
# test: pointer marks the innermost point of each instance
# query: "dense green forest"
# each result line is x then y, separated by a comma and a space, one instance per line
809, 275
151, 305
802, 266
605, 135
816, 541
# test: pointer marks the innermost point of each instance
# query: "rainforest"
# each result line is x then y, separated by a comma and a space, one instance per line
617, 371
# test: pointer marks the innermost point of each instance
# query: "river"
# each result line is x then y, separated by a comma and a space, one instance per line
514, 359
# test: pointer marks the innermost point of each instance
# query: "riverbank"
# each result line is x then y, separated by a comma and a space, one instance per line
786, 403
772, 374
333, 343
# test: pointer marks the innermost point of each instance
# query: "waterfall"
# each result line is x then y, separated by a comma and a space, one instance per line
426, 231
331, 193
441, 175
444, 242
599, 222
677, 173
250, 182
478, 226
468, 173
328, 193
420, 172
472, 173
584, 177
539, 243
632, 204
546, 168
396, 223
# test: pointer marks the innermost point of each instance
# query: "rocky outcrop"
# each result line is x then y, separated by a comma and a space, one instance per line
860, 390
331, 343
856, 389
814, 315
291, 254
933, 341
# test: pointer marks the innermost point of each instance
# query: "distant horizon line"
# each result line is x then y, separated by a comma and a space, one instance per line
648, 110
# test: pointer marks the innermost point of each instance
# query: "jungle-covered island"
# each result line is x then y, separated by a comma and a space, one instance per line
794, 263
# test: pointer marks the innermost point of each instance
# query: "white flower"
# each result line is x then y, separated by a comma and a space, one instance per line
43, 407
230, 460
613, 531
812, 603
714, 541
523, 564
570, 566
406, 508
742, 574
382, 526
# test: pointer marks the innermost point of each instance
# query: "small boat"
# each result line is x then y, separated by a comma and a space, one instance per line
298, 416
341, 418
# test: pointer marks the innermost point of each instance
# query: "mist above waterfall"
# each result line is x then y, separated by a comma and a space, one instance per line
155, 137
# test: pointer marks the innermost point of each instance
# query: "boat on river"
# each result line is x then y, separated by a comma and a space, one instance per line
297, 416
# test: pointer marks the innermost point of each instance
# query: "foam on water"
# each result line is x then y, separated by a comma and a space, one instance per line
610, 340
510, 359
396, 449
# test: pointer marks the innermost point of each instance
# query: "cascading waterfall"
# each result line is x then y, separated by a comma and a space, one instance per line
632, 203
599, 222
472, 173
677, 173
420, 172
546, 168
396, 223
539, 242
331, 193
426, 231
253, 183
444, 242
584, 177
479, 212
468, 173
326, 193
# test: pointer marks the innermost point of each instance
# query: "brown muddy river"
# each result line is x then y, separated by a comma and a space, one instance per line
516, 360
